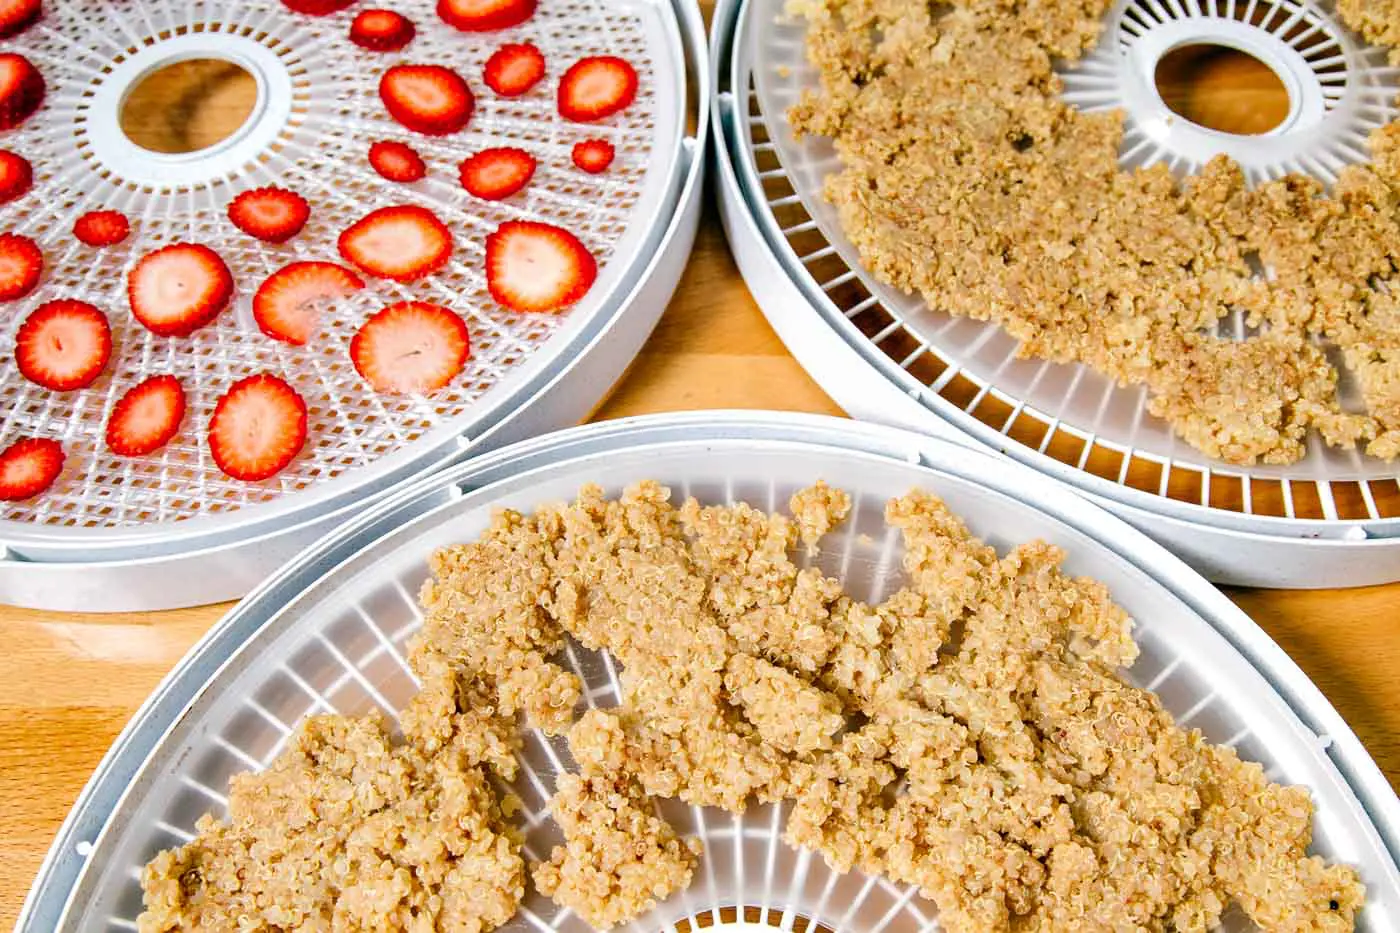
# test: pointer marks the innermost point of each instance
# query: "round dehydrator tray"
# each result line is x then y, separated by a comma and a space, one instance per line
316, 114
884, 355
328, 633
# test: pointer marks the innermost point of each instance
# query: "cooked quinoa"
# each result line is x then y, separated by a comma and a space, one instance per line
967, 180
971, 734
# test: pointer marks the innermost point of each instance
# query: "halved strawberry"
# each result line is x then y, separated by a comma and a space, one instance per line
594, 155
513, 69
597, 87
287, 303
273, 215
16, 175
497, 173
401, 243
427, 99
63, 345
412, 346
177, 289
485, 15
21, 263
316, 7
21, 90
146, 417
396, 161
257, 428
533, 266
28, 467
381, 30
102, 228
18, 15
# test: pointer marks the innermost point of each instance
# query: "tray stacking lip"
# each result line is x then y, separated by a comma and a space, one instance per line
673, 36
177, 706
912, 403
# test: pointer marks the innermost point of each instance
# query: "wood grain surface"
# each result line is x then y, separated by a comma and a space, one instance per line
68, 683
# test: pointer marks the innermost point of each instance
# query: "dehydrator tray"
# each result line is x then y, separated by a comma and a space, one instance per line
169, 529
1332, 519
328, 631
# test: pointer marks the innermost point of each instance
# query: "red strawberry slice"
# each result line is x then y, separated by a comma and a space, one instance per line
498, 173
28, 467
102, 228
396, 161
513, 69
428, 99
63, 345
18, 15
146, 417
177, 289
16, 175
21, 262
485, 15
21, 90
412, 346
317, 7
401, 243
287, 303
594, 155
273, 215
258, 427
597, 87
382, 30
534, 266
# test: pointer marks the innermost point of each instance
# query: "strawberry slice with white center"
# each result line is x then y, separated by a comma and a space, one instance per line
382, 30
21, 90
102, 228
596, 88
532, 266
485, 15
397, 161
403, 243
28, 467
16, 175
273, 215
146, 417
63, 345
258, 427
18, 15
288, 302
594, 155
412, 346
21, 263
513, 69
177, 289
428, 99
495, 174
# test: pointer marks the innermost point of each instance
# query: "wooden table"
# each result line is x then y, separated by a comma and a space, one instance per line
69, 682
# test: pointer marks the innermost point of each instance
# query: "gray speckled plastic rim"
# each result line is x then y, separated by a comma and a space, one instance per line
173, 698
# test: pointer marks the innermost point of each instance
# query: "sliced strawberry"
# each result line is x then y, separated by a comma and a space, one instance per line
146, 417
427, 99
102, 228
402, 243
317, 7
21, 263
594, 155
177, 289
396, 161
534, 266
273, 215
63, 345
382, 30
485, 15
21, 90
598, 87
513, 69
28, 467
412, 346
287, 303
498, 173
18, 15
257, 428
16, 175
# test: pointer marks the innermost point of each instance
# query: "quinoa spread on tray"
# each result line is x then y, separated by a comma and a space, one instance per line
971, 735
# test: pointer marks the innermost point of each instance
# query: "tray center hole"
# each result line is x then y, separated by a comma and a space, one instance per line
188, 106
1222, 88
